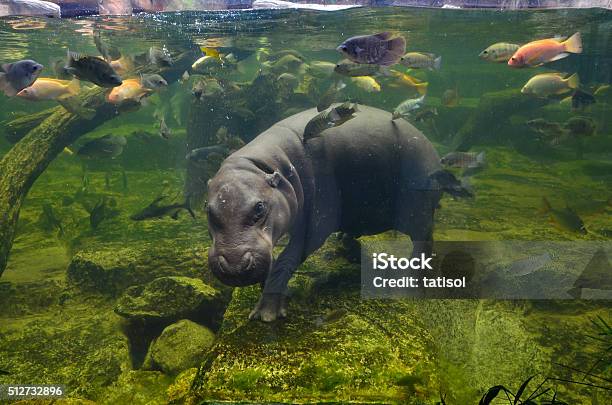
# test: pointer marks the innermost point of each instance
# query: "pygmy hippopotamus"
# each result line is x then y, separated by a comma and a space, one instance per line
367, 176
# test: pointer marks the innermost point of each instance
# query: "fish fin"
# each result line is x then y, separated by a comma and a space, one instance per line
448, 183
187, 206
573, 81
71, 70
437, 63
333, 114
574, 43
546, 207
74, 86
396, 47
383, 35
480, 158
6, 67
157, 200
559, 56
422, 88
6, 86
72, 55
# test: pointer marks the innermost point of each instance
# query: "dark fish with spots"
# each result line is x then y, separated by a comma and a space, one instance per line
92, 69
445, 181
580, 126
529, 265
17, 76
108, 146
202, 154
164, 131
581, 100
329, 119
565, 219
378, 49
464, 160
156, 211
48, 221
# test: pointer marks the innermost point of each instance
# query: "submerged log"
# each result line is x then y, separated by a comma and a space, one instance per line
19, 127
245, 110
22, 165
51, 131
491, 120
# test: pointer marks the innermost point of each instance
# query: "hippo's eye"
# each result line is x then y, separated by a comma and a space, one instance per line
259, 211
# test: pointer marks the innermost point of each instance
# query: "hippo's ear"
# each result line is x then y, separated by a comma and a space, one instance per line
273, 179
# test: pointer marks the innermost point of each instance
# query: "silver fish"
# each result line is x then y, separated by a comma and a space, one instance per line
15, 77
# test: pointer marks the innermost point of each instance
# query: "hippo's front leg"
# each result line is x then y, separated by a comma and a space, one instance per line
272, 304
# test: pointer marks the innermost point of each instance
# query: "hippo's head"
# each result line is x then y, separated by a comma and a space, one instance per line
249, 209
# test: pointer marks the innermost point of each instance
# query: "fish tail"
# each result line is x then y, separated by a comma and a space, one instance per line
448, 183
480, 158
74, 86
397, 45
187, 206
546, 207
422, 88
437, 63
573, 81
574, 43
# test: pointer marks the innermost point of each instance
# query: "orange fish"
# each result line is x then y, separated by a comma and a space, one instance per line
537, 53
131, 89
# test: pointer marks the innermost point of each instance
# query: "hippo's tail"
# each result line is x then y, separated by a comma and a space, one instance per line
447, 182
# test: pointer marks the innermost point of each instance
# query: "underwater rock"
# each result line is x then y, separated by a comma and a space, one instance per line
334, 345
166, 298
181, 346
111, 269
29, 7
82, 348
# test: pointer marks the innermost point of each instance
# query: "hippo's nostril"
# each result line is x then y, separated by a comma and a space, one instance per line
223, 263
248, 260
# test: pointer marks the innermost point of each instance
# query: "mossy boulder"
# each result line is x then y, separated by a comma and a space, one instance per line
167, 298
79, 346
333, 346
111, 269
181, 346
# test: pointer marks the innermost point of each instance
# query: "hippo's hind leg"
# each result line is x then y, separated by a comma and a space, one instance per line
415, 218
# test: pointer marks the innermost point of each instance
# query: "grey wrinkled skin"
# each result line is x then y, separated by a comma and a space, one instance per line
367, 176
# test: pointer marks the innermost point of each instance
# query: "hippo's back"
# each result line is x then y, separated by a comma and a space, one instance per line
370, 160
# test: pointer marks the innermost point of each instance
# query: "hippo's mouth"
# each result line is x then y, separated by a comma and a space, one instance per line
253, 271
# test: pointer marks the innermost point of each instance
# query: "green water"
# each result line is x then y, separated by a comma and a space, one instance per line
59, 295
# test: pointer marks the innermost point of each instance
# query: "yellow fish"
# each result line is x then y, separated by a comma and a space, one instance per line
547, 84
50, 89
211, 52
410, 82
366, 83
